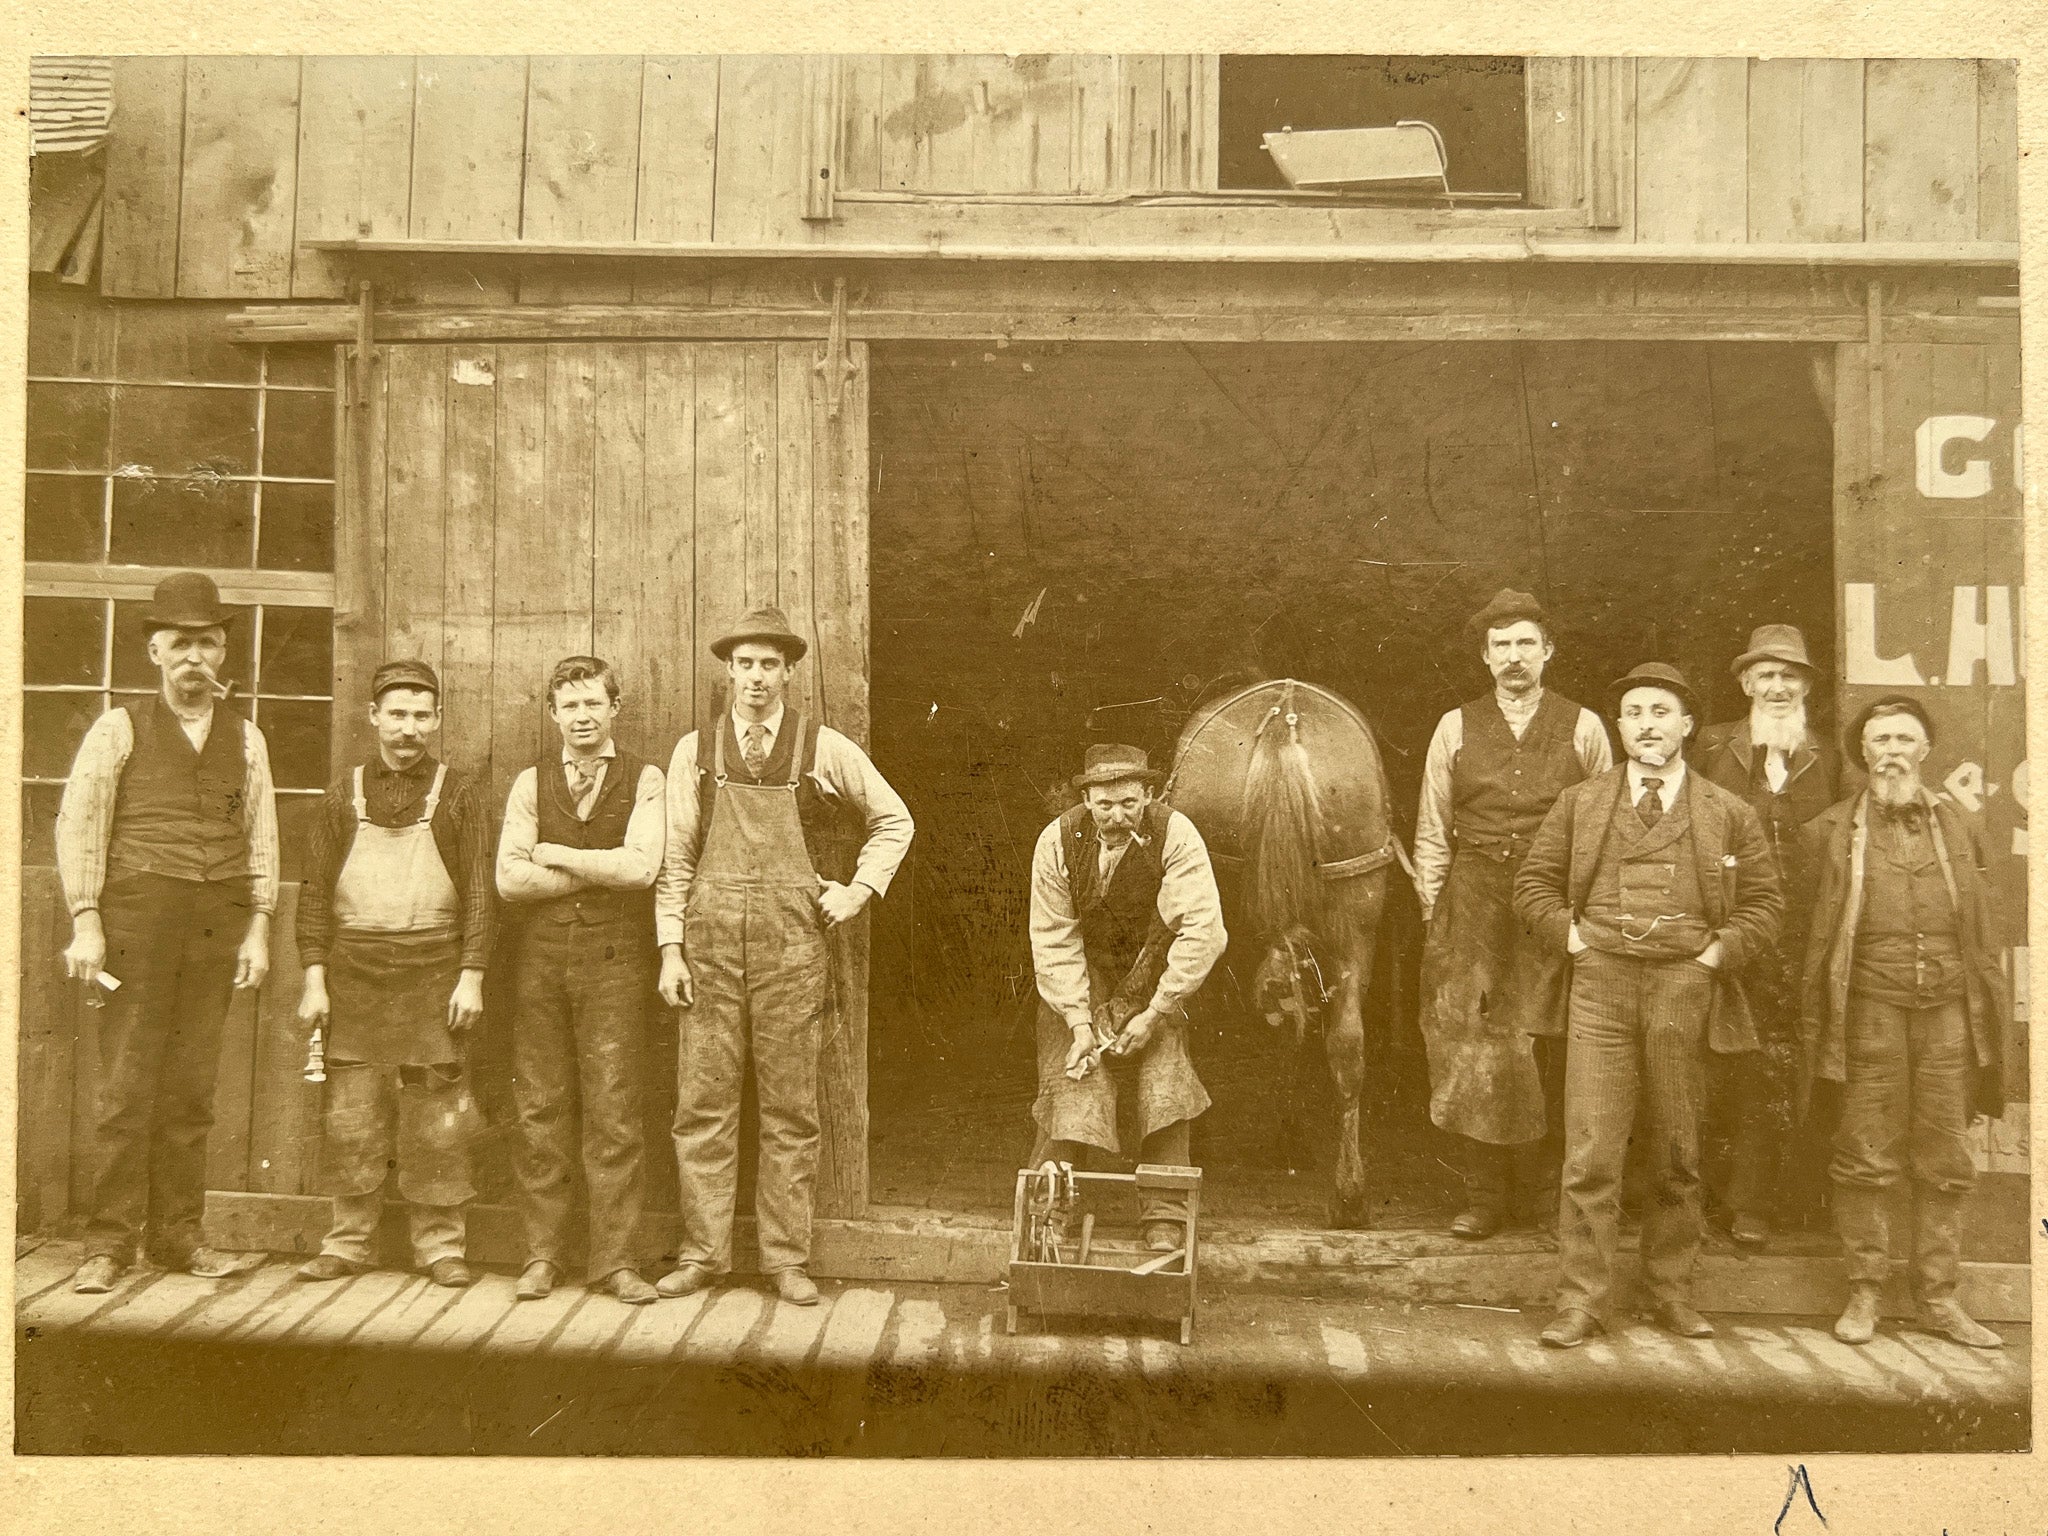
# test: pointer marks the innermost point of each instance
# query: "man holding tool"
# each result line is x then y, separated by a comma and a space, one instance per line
394, 928
167, 848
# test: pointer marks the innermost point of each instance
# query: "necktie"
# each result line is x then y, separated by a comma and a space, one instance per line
755, 748
1651, 807
582, 785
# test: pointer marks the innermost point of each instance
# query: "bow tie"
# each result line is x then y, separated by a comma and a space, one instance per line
1909, 815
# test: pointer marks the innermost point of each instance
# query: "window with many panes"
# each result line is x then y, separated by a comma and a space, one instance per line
157, 444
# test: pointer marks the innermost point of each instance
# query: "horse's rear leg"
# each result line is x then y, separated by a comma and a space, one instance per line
1359, 907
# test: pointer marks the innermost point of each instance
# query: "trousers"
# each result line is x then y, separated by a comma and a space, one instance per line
438, 1231
1523, 1178
1168, 1145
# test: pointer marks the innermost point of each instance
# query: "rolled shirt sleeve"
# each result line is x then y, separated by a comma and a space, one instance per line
679, 853
85, 816
1433, 810
1191, 907
519, 878
1057, 957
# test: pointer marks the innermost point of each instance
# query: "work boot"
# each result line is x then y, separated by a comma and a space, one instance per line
536, 1282
97, 1275
218, 1263
1572, 1328
1749, 1230
451, 1272
1677, 1317
1858, 1322
1947, 1318
628, 1286
1162, 1236
1477, 1223
330, 1266
685, 1280
795, 1287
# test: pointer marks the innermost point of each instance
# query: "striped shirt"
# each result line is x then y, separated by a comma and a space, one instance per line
85, 819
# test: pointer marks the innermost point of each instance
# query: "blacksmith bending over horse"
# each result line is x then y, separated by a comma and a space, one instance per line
394, 929
167, 847
1661, 885
1125, 926
779, 828
1493, 997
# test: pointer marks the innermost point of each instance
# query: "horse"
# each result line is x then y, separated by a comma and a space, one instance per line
1284, 781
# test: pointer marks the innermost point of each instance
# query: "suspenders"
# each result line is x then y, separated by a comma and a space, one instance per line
426, 816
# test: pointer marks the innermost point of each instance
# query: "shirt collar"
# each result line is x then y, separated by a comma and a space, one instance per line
771, 725
1518, 708
605, 753
419, 770
1671, 776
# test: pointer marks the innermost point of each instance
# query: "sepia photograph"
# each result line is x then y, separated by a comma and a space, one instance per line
962, 756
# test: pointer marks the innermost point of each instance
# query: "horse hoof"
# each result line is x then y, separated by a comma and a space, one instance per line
1349, 1215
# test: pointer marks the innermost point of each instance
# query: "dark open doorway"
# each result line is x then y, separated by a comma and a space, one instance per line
1072, 543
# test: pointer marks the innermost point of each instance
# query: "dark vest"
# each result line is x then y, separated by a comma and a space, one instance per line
1647, 883
1501, 788
555, 814
179, 812
1117, 918
832, 834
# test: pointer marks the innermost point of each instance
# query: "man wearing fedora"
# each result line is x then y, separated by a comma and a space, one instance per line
577, 859
1905, 1004
1661, 886
1492, 997
780, 829
394, 929
1125, 926
167, 848
1789, 774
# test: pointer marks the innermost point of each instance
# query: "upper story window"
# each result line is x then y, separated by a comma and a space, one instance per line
1475, 104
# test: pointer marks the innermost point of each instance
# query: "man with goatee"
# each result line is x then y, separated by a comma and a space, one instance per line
1904, 1003
1789, 774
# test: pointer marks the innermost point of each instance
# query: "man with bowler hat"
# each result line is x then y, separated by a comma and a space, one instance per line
1905, 1006
1661, 886
167, 848
1789, 773
1125, 927
394, 928
1492, 997
779, 829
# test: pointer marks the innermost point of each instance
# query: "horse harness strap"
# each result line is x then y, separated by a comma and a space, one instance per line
1389, 852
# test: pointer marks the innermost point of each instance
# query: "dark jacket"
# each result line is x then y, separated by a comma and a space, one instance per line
1744, 905
1725, 754
1836, 843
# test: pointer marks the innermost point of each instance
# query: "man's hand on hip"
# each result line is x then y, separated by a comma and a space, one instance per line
842, 903
675, 986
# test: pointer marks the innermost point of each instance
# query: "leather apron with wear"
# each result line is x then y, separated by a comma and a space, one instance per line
1487, 987
1126, 943
758, 953
396, 1087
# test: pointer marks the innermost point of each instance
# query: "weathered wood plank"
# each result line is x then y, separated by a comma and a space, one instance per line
284, 1116
789, 1336
794, 514
948, 96
529, 616
474, 1317
901, 123
1692, 149
1141, 121
722, 1328
678, 148
234, 1090
43, 1268
355, 161
721, 523
50, 1008
531, 1323
60, 1307
860, 122
1610, 93
399, 1324
595, 1327
618, 530
234, 1304
416, 497
1805, 149
359, 538
757, 472
760, 183
469, 589
276, 1315
666, 579
359, 1300
582, 167
821, 134
240, 177
859, 1317
1555, 113
469, 148
1998, 150
1920, 149
144, 179
1095, 119
1176, 126
155, 1307
658, 1331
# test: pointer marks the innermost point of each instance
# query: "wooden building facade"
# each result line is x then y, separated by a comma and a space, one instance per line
489, 360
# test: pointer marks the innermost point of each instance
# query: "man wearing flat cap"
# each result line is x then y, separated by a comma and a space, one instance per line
394, 930
1661, 886
1492, 997
1125, 926
1904, 1006
1789, 774
780, 830
577, 858
167, 847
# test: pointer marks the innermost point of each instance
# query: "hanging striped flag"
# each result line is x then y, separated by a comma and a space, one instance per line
70, 103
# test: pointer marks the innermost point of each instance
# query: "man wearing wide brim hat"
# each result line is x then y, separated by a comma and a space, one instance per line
167, 847
1125, 926
780, 831
1661, 886
1492, 999
1789, 773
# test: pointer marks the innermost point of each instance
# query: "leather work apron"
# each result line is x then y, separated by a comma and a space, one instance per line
393, 966
758, 954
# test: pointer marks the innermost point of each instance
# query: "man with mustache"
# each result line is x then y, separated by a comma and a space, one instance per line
394, 928
1126, 924
1788, 773
582, 843
167, 847
1493, 998
1904, 1004
779, 829
1662, 886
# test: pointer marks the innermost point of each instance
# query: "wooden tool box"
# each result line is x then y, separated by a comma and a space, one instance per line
1053, 1270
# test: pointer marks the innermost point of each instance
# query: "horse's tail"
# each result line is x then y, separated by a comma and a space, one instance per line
1282, 812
